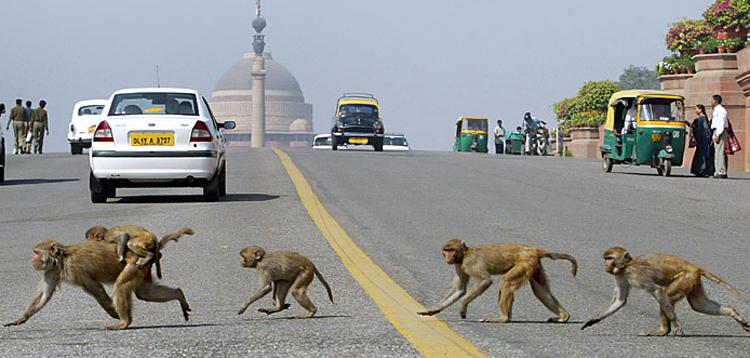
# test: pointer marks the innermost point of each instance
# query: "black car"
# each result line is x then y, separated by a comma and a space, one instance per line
357, 122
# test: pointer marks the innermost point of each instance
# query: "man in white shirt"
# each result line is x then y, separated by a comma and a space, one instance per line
630, 118
719, 125
499, 138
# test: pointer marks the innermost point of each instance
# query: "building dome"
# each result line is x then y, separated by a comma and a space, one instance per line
278, 78
299, 126
285, 104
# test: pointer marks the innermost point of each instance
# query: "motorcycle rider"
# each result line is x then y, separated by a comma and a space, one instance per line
531, 127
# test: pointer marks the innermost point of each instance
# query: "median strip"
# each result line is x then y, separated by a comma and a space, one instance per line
430, 336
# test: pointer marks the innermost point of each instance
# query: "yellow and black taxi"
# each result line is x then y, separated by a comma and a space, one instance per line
357, 122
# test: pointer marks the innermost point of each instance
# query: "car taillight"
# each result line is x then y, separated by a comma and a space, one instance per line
103, 133
200, 133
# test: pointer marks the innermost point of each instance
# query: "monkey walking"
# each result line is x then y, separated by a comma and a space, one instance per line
136, 239
517, 263
668, 279
88, 264
282, 271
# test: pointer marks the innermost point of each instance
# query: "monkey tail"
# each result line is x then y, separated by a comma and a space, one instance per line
174, 236
709, 275
325, 284
563, 256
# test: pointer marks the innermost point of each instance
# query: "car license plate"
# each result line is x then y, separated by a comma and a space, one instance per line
151, 139
358, 140
91, 129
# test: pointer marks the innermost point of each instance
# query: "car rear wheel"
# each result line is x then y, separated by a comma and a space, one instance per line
76, 149
2, 159
211, 189
100, 190
223, 181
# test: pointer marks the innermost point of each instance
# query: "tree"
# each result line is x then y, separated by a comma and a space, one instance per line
639, 78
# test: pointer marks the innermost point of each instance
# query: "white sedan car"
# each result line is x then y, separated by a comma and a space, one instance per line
158, 137
83, 121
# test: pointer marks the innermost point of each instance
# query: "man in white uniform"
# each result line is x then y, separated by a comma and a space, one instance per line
719, 125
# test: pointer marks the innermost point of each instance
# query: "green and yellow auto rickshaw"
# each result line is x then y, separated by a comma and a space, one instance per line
644, 127
471, 134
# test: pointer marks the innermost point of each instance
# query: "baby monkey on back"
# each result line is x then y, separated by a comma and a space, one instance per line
135, 240
282, 271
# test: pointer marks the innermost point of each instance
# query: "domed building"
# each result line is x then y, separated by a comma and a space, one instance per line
289, 120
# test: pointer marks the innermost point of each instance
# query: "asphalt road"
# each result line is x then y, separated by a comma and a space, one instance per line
399, 208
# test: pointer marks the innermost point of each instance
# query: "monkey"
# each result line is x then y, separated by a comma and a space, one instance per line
516, 262
668, 279
282, 271
89, 264
135, 239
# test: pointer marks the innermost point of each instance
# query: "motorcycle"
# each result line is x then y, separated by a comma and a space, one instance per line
538, 139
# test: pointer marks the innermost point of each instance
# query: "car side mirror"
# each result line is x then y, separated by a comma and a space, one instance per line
228, 125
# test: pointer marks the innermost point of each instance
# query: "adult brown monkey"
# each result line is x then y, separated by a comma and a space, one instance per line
668, 279
88, 264
517, 263
282, 271
135, 239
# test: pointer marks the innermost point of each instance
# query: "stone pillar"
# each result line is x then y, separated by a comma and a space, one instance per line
675, 83
717, 74
258, 131
741, 125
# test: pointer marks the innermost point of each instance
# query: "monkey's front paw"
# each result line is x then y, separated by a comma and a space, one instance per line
15, 323
590, 323
655, 333
428, 313
496, 320
117, 326
678, 331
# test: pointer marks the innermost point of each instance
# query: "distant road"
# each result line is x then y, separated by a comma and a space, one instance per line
398, 208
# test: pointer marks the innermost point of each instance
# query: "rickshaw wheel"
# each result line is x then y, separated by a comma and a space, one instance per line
606, 163
667, 167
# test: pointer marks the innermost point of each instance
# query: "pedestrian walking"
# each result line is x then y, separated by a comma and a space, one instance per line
27, 113
39, 126
499, 138
719, 124
700, 138
19, 126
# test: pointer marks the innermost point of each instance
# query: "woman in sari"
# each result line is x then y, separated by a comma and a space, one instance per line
703, 160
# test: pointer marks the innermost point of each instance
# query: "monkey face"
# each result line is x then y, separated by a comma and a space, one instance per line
453, 251
96, 233
251, 256
46, 255
616, 259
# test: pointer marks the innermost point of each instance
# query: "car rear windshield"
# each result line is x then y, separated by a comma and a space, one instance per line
398, 141
90, 110
323, 141
128, 104
363, 110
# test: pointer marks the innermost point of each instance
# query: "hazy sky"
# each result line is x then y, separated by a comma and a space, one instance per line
427, 61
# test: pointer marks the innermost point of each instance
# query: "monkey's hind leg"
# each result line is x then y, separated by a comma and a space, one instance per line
153, 292
699, 302
299, 292
540, 288
281, 288
512, 281
122, 296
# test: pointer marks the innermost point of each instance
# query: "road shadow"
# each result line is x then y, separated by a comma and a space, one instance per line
37, 181
170, 199
681, 176
313, 317
197, 325
511, 322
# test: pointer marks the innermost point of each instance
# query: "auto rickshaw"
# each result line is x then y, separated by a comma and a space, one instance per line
471, 134
515, 142
654, 130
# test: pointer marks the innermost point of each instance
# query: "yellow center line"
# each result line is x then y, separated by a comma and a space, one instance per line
430, 336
